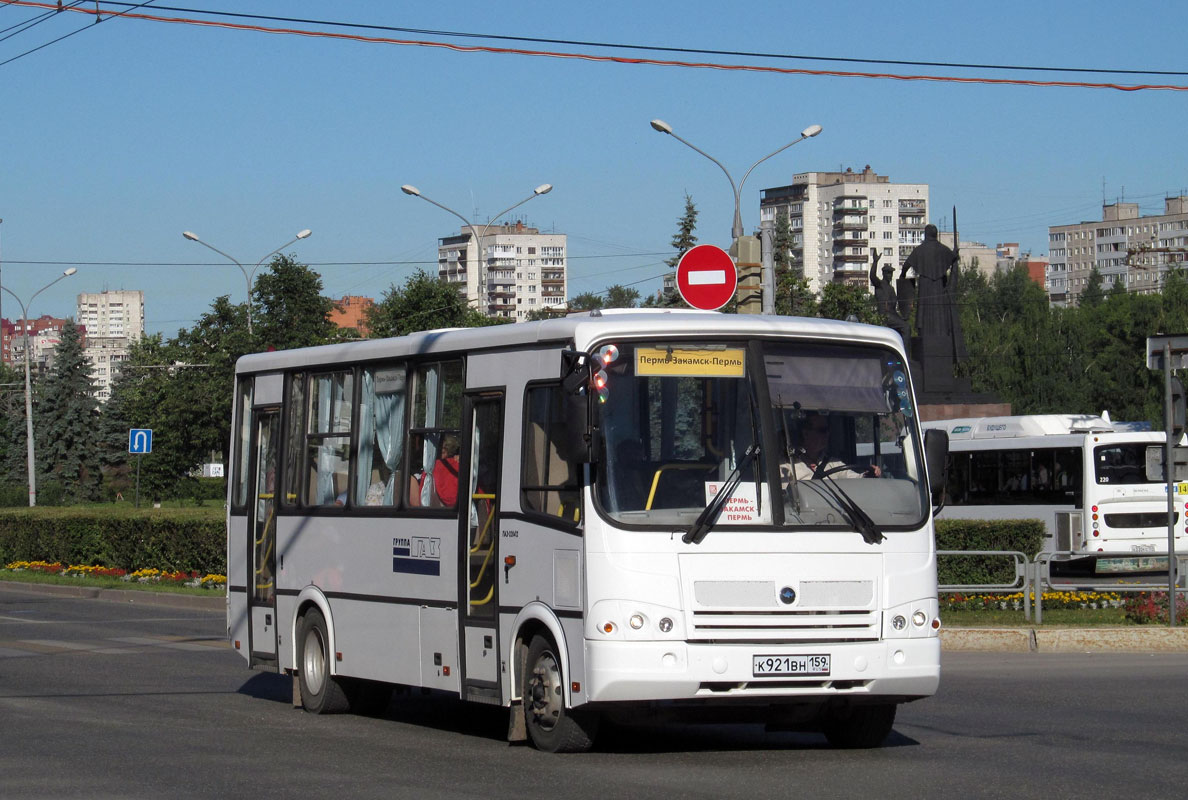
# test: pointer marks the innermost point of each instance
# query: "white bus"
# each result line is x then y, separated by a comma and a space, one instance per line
1084, 478
590, 515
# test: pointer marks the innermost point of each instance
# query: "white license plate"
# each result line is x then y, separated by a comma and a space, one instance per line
789, 666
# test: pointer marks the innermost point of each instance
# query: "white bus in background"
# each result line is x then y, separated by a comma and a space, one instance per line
1079, 473
601, 514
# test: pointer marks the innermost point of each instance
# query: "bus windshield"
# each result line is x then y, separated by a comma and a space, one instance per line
831, 427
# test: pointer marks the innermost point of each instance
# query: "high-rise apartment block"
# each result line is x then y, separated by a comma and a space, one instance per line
1139, 250
511, 271
113, 320
838, 217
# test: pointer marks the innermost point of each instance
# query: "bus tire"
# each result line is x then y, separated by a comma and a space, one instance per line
859, 727
321, 692
551, 726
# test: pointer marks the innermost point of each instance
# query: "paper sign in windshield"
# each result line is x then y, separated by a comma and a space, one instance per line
742, 508
728, 363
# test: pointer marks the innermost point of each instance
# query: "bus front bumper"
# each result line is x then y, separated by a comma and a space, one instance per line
636, 671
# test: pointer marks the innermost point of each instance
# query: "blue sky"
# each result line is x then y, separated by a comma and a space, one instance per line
115, 140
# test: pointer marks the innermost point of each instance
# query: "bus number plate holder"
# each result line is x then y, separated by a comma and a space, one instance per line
773, 666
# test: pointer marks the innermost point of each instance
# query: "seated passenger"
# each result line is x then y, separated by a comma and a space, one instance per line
445, 472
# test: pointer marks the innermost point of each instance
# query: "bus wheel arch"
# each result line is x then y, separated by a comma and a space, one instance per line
552, 724
536, 619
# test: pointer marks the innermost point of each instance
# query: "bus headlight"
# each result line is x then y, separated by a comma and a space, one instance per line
633, 620
919, 618
636, 621
665, 625
898, 622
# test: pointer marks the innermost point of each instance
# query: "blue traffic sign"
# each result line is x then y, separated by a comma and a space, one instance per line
140, 441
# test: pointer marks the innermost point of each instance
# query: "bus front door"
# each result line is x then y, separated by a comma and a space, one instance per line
479, 547
262, 541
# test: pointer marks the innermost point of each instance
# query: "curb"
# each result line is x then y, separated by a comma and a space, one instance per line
165, 599
1139, 639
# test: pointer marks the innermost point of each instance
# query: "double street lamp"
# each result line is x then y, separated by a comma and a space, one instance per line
247, 276
736, 231
32, 464
413, 191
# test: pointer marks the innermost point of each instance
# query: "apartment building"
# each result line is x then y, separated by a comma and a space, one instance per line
837, 217
44, 334
113, 320
1139, 250
511, 271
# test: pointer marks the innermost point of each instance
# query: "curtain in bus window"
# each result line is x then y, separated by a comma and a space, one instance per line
429, 455
325, 449
389, 428
367, 438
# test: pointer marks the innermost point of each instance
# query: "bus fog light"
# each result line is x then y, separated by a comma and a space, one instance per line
665, 625
919, 618
898, 622
636, 621
898, 657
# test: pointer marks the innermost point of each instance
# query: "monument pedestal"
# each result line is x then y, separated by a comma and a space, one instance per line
939, 393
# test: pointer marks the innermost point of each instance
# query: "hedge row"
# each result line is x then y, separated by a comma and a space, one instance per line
1023, 535
132, 539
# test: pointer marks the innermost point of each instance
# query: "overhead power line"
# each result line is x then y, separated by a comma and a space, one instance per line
657, 48
591, 57
56, 8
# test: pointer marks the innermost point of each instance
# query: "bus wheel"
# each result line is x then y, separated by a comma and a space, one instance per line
551, 726
859, 727
321, 692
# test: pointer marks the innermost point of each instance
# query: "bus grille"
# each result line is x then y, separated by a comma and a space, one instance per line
825, 611
800, 626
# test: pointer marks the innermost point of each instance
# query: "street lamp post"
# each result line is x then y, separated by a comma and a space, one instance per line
247, 276
31, 462
413, 191
736, 231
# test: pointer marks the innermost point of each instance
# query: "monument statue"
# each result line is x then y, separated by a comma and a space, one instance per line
886, 297
937, 318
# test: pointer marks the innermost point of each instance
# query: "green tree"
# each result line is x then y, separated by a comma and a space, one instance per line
621, 297
288, 307
844, 300
586, 301
685, 238
66, 421
1093, 294
424, 302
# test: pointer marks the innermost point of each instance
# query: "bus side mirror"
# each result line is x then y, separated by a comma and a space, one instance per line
936, 453
575, 391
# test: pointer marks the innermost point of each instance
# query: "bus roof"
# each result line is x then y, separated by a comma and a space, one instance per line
1015, 427
582, 329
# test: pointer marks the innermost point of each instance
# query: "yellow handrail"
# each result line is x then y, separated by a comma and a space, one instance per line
485, 600
656, 478
486, 525
482, 569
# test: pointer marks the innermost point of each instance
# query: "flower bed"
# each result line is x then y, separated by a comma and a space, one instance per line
1014, 602
148, 575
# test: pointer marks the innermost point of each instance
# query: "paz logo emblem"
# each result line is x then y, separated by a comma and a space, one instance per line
787, 595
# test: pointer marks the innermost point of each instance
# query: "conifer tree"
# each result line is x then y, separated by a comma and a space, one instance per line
66, 421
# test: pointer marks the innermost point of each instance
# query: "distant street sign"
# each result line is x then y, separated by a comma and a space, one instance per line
140, 441
1179, 351
706, 277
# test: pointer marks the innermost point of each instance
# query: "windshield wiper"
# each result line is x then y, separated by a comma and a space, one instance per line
709, 515
852, 512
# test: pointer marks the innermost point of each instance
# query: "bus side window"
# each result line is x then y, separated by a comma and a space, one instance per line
548, 479
328, 439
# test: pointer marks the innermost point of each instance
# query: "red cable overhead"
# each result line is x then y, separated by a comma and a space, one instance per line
320, 34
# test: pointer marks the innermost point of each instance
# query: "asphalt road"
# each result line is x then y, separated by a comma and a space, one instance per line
102, 699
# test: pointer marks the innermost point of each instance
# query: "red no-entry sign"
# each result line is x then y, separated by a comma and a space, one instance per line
706, 277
